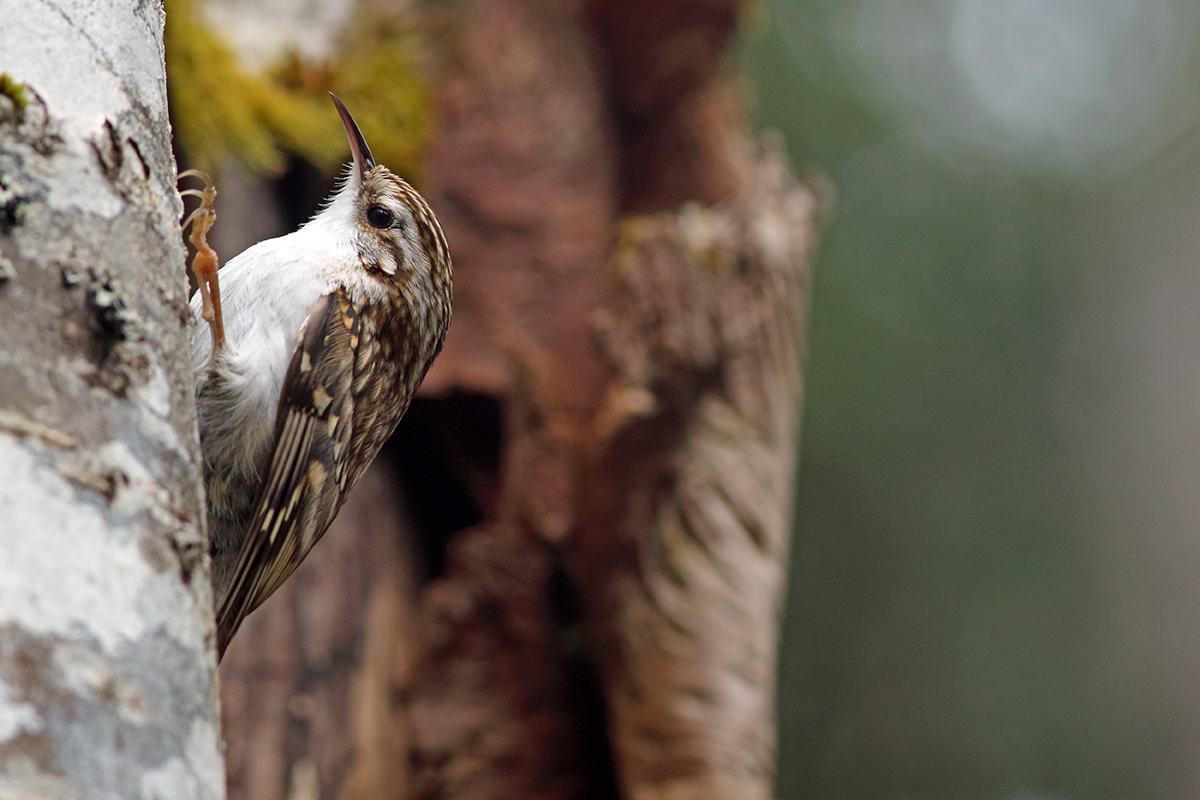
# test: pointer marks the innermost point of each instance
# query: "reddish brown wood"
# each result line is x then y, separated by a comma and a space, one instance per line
310, 686
521, 178
610, 627
487, 708
663, 62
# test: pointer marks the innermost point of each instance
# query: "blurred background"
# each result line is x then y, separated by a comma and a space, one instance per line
995, 587
995, 579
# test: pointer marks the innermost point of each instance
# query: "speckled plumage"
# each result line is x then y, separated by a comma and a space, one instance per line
329, 332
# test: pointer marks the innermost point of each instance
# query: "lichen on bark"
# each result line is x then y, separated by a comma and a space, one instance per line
107, 670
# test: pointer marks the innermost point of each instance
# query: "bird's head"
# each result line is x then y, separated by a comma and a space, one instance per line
396, 235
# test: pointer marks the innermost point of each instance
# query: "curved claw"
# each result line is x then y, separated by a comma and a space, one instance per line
195, 173
204, 264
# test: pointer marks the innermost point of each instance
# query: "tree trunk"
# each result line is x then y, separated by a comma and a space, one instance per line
107, 667
578, 595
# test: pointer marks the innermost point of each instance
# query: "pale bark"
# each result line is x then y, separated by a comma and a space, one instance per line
107, 667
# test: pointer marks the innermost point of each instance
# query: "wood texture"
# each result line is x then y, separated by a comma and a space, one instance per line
310, 686
686, 502
630, 285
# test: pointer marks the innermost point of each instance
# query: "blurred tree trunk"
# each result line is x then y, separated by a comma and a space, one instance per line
631, 278
107, 667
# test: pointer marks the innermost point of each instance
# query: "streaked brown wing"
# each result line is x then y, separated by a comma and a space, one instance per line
305, 480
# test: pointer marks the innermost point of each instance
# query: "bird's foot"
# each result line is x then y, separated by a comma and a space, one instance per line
204, 264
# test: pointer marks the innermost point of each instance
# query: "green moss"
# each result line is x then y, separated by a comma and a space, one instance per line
13, 91
392, 101
221, 111
216, 108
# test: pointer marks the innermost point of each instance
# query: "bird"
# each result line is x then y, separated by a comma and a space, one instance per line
327, 333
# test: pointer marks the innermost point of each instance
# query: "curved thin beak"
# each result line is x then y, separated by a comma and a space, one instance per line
358, 145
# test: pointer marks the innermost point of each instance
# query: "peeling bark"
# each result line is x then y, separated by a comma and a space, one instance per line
107, 667
686, 502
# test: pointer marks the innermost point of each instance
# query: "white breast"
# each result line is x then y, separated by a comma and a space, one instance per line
266, 295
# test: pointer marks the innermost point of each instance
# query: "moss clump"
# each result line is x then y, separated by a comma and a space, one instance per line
221, 111
217, 110
13, 91
377, 79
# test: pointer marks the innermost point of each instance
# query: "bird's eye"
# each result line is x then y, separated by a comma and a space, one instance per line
380, 217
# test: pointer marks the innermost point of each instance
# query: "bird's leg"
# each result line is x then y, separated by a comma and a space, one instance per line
204, 264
